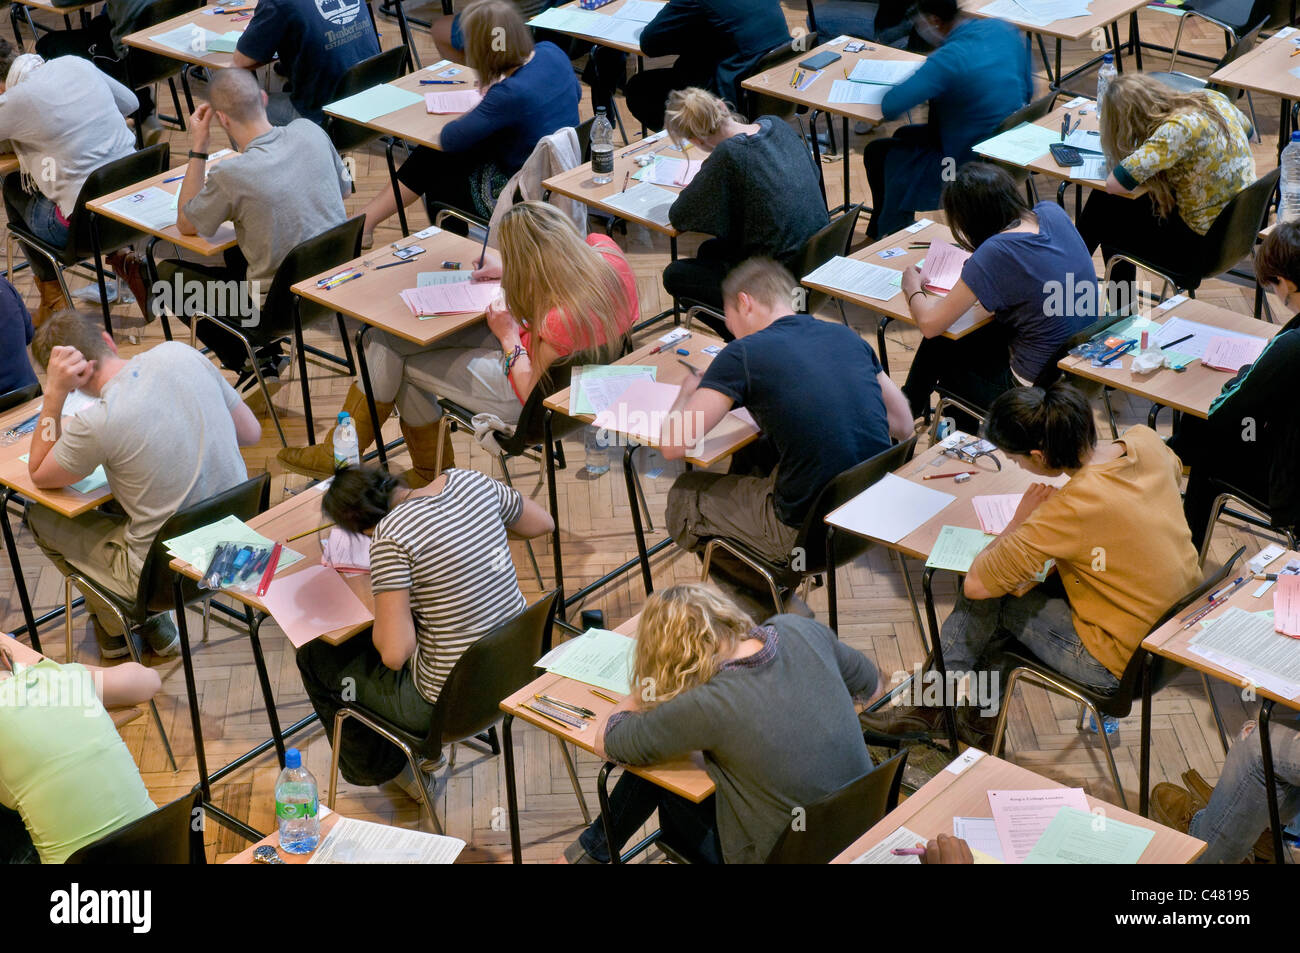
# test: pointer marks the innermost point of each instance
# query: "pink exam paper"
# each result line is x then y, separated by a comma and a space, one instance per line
942, 268
459, 101
1231, 353
640, 410
1286, 606
1021, 816
308, 603
346, 552
995, 511
454, 298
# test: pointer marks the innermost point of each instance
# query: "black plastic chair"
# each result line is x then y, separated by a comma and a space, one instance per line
381, 68
167, 836
16, 398
822, 549
285, 313
835, 821
756, 104
91, 236
1233, 17
1186, 83
823, 245
145, 69
155, 592
1030, 112
1025, 666
1261, 515
494, 667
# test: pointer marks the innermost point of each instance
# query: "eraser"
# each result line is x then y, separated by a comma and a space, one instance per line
451, 265
961, 478
682, 350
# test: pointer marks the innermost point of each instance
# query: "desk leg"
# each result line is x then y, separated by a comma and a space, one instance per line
512, 794
397, 191
301, 347
817, 152
629, 477
151, 269
1135, 43
254, 621
99, 274
936, 653
553, 499
191, 692
16, 565
881, 325
672, 252
1042, 51
371, 409
1144, 754
1270, 781
831, 594
845, 153
1059, 74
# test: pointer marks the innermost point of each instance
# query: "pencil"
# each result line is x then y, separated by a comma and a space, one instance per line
394, 264
609, 698
626, 178
1185, 337
309, 532
940, 476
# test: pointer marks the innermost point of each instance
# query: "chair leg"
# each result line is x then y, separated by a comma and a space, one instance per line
424, 788
1000, 730
1078, 725
1110, 412
339, 717
1178, 40
911, 593
157, 720
1216, 510
573, 779
67, 620
1218, 715
207, 618
1110, 756
640, 496
505, 472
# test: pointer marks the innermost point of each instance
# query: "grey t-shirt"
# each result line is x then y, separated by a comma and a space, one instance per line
285, 187
163, 433
778, 731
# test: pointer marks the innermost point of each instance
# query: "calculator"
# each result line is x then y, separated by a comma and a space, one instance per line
1065, 155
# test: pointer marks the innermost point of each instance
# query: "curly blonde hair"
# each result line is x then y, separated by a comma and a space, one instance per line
1136, 105
695, 114
686, 632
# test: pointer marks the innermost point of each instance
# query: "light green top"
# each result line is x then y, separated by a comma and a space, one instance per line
63, 766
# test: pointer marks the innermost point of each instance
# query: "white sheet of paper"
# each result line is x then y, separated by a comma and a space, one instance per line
187, 39
857, 277
645, 201
890, 509
1094, 169
76, 402
1022, 816
152, 207
1176, 327
883, 72
1246, 643
603, 391
845, 91
980, 833
882, 853
363, 842
642, 11
426, 278
995, 511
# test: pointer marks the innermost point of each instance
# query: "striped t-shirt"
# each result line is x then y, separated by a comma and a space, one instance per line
451, 552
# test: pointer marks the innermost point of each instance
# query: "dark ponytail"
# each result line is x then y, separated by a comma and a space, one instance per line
359, 497
1056, 421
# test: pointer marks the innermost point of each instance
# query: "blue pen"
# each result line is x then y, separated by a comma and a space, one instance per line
1120, 350
236, 565
174, 178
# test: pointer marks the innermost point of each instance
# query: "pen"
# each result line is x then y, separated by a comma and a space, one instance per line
626, 177
908, 851
667, 344
1228, 589
695, 371
1119, 351
534, 708
1206, 610
441, 82
576, 709
174, 178
1267, 576
333, 278
1185, 337
940, 476
242, 16
609, 698
309, 532
637, 148
394, 264
269, 574
1065, 126
342, 281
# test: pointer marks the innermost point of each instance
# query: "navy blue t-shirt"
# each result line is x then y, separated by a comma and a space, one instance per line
317, 41
1043, 285
535, 100
15, 334
811, 386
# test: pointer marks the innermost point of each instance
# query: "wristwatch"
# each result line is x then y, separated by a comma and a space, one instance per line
198, 155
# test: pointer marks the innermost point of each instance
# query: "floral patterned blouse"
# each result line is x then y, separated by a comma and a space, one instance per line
1204, 167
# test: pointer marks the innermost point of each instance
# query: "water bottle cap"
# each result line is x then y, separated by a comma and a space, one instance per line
1108, 58
344, 415
600, 110
292, 758
1295, 136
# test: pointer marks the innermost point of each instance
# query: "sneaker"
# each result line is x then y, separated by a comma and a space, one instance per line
406, 781
110, 646
161, 635
575, 853
897, 723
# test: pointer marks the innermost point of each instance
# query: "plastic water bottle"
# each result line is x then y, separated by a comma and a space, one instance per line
1111, 723
1289, 209
297, 806
597, 445
346, 451
602, 148
1104, 76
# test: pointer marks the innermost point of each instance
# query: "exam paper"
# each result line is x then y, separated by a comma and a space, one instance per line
363, 842
372, 103
1081, 837
996, 511
942, 268
669, 171
346, 552
1249, 645
97, 480
226, 42
645, 201
857, 277
311, 602
1094, 169
597, 387
601, 658
456, 298
1085, 140
76, 402
845, 91
1021, 817
890, 509
457, 101
882, 853
1286, 606
980, 833
1021, 145
151, 207
1230, 354
1175, 328
642, 11
190, 38
883, 72
198, 546
426, 278
956, 548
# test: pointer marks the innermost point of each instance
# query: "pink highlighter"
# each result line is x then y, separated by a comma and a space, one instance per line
908, 851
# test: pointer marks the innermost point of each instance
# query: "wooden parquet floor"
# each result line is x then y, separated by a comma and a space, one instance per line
595, 518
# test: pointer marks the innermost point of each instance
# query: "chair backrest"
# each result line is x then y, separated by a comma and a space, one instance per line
494, 667
110, 177
329, 249
383, 67
823, 245
841, 817
1235, 15
1050, 371
756, 104
20, 396
169, 835
142, 68
1234, 232
812, 536
1245, 43
243, 501
583, 131
1029, 112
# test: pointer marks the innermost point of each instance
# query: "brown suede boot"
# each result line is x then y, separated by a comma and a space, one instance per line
318, 460
1203, 790
129, 269
423, 443
52, 300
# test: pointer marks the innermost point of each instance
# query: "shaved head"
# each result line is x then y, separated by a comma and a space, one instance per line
236, 93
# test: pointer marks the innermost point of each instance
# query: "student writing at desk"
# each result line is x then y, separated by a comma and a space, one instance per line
757, 193
1028, 268
315, 42
442, 577
529, 91
816, 391
1251, 440
15, 334
1116, 518
977, 77
1191, 152
566, 300
62, 115
770, 706
286, 186
66, 777
156, 462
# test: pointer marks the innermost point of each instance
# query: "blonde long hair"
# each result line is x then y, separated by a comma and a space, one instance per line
696, 114
1136, 105
685, 634
546, 265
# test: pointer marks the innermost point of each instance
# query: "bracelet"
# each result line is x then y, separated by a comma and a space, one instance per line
913, 295
512, 358
198, 155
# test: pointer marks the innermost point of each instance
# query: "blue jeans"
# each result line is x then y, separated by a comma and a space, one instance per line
1040, 620
690, 828
1238, 809
41, 218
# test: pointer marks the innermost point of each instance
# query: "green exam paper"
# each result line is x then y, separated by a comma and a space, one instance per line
197, 546
601, 658
1080, 837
